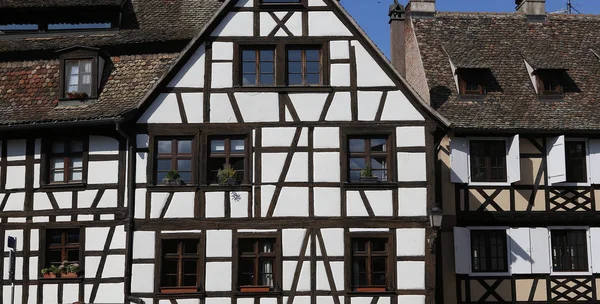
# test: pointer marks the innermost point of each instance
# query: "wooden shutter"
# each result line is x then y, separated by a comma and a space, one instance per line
540, 250
459, 160
520, 249
595, 249
462, 250
556, 161
513, 160
595, 161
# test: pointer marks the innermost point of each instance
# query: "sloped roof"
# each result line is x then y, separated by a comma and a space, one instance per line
504, 42
29, 81
57, 3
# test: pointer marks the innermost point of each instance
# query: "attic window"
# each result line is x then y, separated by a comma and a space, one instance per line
471, 81
81, 73
549, 82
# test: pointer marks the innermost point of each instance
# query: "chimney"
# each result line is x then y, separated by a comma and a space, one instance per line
535, 10
397, 42
421, 8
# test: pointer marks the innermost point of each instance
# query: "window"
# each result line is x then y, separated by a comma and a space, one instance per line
304, 66
62, 245
174, 155
576, 165
472, 81
549, 82
224, 151
78, 78
257, 264
258, 67
66, 161
280, 1
369, 264
488, 160
180, 265
569, 250
488, 251
368, 154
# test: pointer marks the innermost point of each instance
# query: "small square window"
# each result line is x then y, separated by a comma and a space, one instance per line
174, 161
472, 81
258, 66
62, 245
78, 78
550, 82
569, 250
258, 264
488, 160
368, 158
304, 66
180, 262
66, 161
488, 251
370, 263
227, 151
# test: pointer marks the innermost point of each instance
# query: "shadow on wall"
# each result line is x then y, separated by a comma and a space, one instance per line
439, 95
517, 252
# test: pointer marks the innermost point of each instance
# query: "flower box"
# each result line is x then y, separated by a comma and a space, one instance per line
255, 289
370, 289
49, 275
69, 275
178, 290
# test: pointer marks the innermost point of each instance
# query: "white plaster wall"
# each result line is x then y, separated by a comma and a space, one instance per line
110, 293
50, 291
293, 201
103, 172
141, 165
91, 266
258, 107
64, 200
192, 73
36, 176
221, 282
140, 203
222, 50
266, 195
412, 201
412, 167
95, 237
16, 149
308, 105
397, 107
34, 239
327, 202
340, 75
86, 198
368, 103
339, 49
235, 24
289, 268
218, 243
298, 171
326, 24
157, 203
103, 145
337, 269
193, 103
277, 137
164, 109
294, 24
182, 205
15, 202
411, 275
333, 239
222, 75
369, 72
292, 241
411, 299
326, 138
340, 109
272, 165
109, 199
381, 202
410, 242
410, 136
326, 167
143, 244
215, 204
118, 241
267, 24
37, 148
41, 201
239, 204
355, 205
15, 177
70, 293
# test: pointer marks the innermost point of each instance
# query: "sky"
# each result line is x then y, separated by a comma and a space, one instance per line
372, 15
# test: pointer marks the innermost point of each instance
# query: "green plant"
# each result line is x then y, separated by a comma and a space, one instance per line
367, 171
72, 268
172, 176
51, 269
223, 175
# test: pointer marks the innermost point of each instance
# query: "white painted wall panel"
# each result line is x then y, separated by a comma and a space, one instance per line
540, 249
182, 205
293, 201
15, 202
368, 103
141, 165
103, 172
355, 205
369, 73
326, 24
381, 202
412, 201
520, 248
339, 49
164, 109
95, 237
397, 107
50, 291
143, 244
266, 195
36, 176
110, 293
114, 267
272, 165
64, 200
595, 248
298, 171
334, 242
215, 204
34, 239
103, 145
410, 136
326, 166
140, 203
32, 295
412, 167
222, 50
218, 243
235, 24
119, 237
411, 275
41, 201
327, 201
326, 138
193, 103
411, 299
294, 24
213, 301
109, 199
239, 204
410, 242
220, 109
267, 24
222, 75
15, 177
221, 282
309, 105
15, 149
278, 137
340, 75
33, 270
192, 73
292, 241
289, 268
258, 107
157, 203
340, 108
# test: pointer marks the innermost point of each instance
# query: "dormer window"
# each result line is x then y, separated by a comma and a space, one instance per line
78, 78
549, 82
81, 72
471, 81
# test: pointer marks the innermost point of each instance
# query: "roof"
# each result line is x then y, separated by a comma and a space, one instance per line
504, 42
29, 84
57, 3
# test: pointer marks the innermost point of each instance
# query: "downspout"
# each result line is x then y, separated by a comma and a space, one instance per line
130, 209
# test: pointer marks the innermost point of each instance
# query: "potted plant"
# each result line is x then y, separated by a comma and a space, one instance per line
226, 176
77, 95
69, 270
50, 272
172, 178
366, 175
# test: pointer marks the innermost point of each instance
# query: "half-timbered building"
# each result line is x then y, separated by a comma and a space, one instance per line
518, 173
70, 71
283, 160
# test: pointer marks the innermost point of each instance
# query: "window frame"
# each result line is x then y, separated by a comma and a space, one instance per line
47, 155
487, 246
587, 163
79, 54
257, 61
390, 274
465, 75
508, 251
488, 182
543, 76
299, 3
277, 263
43, 247
246, 179
303, 63
174, 157
367, 154
347, 133
588, 250
200, 268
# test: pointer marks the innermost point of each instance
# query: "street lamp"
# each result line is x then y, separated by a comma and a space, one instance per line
435, 222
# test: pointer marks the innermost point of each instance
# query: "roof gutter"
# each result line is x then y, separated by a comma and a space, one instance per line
79, 123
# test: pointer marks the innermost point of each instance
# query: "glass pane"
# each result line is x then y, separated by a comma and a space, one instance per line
161, 176
295, 79
267, 55
295, 67
294, 55
186, 176
58, 163
170, 246
76, 162
237, 163
313, 67
76, 146
190, 267
163, 165
246, 246
378, 278
267, 79
72, 88
58, 176
248, 55
312, 55
379, 245
214, 164
189, 280
190, 246
357, 163
378, 145
249, 79
169, 267
267, 245
313, 79
378, 163
73, 255
354, 176
58, 147
164, 147
53, 257
378, 265
86, 66
76, 175
266, 272
73, 236
184, 147
217, 145
266, 67
357, 145
54, 237
184, 165
73, 67
246, 271
359, 245
73, 80
169, 280
237, 145
249, 67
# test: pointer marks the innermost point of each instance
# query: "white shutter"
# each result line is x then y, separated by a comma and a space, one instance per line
513, 160
595, 161
557, 168
595, 249
520, 249
459, 160
462, 250
540, 250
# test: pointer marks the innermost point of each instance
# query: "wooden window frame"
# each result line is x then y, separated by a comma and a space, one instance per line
290, 5
303, 62
488, 251
544, 76
580, 179
390, 256
257, 61
347, 133
277, 262
568, 258
81, 54
174, 157
200, 275
477, 76
227, 154
43, 252
48, 155
488, 168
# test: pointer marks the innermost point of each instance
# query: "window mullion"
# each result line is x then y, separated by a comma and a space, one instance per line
257, 66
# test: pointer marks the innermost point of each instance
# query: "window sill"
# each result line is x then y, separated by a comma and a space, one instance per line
270, 293
489, 274
81, 185
60, 279
489, 184
471, 97
569, 184
371, 291
367, 185
175, 188
179, 290
315, 88
570, 273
